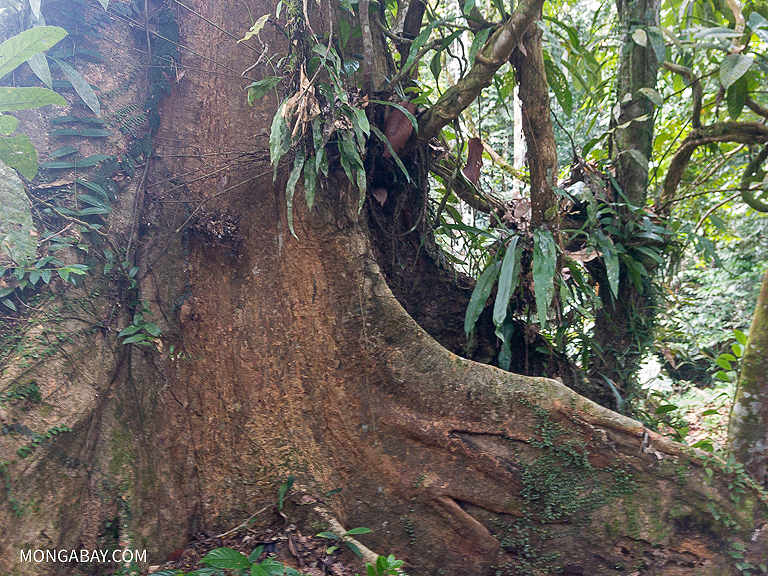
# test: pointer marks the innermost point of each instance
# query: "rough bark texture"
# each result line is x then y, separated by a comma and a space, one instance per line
638, 66
748, 428
537, 128
292, 355
623, 323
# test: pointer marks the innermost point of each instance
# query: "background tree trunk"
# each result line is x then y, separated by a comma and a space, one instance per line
748, 426
291, 355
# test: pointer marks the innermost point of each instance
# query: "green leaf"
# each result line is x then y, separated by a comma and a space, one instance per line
279, 139
63, 151
23, 98
544, 260
82, 87
19, 48
510, 271
560, 86
733, 67
710, 412
226, 559
8, 124
329, 535
435, 65
290, 187
723, 363
260, 89
39, 64
16, 226
135, 339
83, 133
257, 570
352, 546
310, 181
480, 296
611, 259
272, 567
151, 328
9, 304
57, 165
652, 95
256, 28
736, 97
94, 188
19, 153
255, 553
740, 337
356, 531
477, 43
665, 408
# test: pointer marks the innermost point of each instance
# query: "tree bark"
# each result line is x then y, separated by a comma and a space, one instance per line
292, 355
748, 425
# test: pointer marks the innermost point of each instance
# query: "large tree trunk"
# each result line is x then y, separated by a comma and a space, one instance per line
292, 355
748, 426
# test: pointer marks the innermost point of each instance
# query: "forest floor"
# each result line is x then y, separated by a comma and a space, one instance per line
282, 541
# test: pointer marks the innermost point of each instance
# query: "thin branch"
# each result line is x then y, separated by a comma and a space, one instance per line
695, 83
740, 132
709, 212
494, 54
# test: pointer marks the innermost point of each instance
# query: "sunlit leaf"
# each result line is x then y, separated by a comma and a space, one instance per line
17, 231
82, 87
544, 263
19, 153
19, 48
510, 271
733, 67
22, 98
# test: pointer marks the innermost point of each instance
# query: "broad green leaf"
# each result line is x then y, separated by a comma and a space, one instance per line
310, 181
135, 339
652, 95
510, 271
665, 408
257, 570
8, 124
356, 531
352, 546
741, 337
82, 87
39, 64
57, 165
279, 139
329, 535
477, 43
480, 296
63, 151
733, 67
435, 65
84, 133
611, 260
226, 559
560, 85
19, 48
736, 97
22, 98
260, 89
544, 261
290, 187
18, 237
19, 153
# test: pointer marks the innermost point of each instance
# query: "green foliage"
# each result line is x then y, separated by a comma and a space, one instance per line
344, 539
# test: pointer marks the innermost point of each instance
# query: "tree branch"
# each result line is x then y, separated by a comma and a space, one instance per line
494, 54
695, 83
741, 132
463, 188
